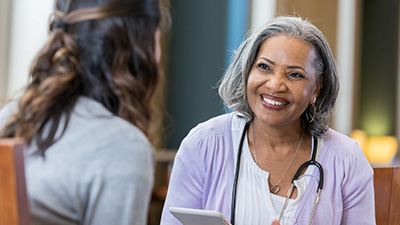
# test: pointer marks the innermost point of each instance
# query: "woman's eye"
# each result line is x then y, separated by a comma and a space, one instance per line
296, 75
263, 66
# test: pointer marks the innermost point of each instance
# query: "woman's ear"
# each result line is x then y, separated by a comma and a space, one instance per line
319, 85
317, 89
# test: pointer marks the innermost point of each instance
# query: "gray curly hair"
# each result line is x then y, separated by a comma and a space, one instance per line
232, 88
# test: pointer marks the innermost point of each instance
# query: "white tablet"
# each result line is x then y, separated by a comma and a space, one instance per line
198, 216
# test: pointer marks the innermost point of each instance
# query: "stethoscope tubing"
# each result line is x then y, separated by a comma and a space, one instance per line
295, 177
236, 178
312, 162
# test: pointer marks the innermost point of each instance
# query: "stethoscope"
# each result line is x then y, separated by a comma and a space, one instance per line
296, 176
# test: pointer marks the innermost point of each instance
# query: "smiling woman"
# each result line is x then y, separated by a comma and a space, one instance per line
275, 156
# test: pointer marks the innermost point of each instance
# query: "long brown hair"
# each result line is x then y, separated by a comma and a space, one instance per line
102, 49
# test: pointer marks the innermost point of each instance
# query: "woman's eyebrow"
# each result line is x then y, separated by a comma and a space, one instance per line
296, 67
268, 60
289, 67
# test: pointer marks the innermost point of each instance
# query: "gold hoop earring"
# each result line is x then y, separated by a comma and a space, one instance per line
311, 118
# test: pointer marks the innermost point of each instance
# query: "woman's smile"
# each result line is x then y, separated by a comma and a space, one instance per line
274, 102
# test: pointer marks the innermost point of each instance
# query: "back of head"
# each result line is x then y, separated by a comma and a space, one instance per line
102, 49
233, 85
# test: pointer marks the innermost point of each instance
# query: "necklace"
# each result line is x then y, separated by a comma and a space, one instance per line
275, 188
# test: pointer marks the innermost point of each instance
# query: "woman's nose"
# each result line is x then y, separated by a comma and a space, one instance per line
276, 82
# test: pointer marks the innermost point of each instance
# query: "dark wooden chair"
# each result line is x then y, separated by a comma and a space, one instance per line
14, 208
387, 195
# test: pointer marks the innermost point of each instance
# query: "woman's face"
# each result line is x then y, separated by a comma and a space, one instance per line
282, 81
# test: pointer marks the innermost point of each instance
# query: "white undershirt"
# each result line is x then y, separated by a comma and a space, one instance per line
255, 204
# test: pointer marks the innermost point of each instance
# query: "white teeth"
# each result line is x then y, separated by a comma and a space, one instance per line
272, 102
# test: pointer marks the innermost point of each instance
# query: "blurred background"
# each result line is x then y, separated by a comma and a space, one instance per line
363, 34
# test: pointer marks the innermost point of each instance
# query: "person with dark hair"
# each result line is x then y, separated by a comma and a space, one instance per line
86, 113
274, 160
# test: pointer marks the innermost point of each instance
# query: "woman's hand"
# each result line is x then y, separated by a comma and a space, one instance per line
275, 222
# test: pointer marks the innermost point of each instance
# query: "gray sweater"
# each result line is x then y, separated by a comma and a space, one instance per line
100, 172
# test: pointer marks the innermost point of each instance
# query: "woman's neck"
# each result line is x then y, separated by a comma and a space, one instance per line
276, 138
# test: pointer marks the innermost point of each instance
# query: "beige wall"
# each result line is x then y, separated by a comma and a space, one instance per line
322, 13
261, 12
29, 24
4, 37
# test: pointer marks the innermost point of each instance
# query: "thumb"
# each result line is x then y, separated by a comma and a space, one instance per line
275, 222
